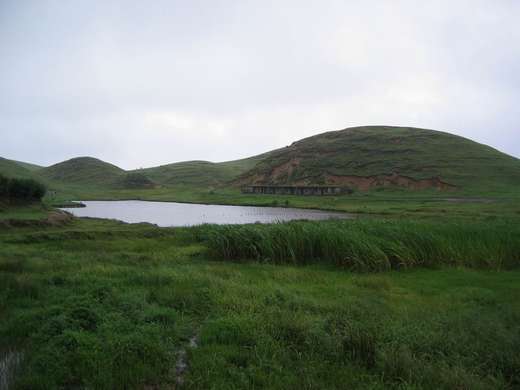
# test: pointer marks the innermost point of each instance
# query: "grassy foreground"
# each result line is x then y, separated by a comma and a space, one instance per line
105, 305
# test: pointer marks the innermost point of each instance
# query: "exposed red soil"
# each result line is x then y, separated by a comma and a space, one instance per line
286, 169
282, 174
364, 183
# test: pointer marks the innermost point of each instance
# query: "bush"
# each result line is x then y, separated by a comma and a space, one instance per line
4, 187
136, 180
21, 189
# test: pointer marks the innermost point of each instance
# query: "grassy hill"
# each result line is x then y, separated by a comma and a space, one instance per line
379, 156
201, 173
365, 158
11, 168
29, 166
84, 171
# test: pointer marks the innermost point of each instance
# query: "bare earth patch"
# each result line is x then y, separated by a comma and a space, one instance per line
10, 361
365, 183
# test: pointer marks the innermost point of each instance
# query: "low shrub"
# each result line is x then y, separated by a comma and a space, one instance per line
21, 189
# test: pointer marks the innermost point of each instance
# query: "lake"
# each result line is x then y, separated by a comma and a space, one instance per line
186, 214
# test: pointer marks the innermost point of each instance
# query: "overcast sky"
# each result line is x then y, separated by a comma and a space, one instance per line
145, 83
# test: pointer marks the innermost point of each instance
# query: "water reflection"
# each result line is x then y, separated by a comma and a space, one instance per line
184, 214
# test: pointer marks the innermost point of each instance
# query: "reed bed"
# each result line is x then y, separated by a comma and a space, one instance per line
370, 245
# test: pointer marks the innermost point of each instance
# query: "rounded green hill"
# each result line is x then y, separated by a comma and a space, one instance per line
372, 156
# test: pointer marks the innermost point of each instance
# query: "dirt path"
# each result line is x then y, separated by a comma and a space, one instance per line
10, 361
181, 367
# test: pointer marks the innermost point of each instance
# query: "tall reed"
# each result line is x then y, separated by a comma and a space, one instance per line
370, 245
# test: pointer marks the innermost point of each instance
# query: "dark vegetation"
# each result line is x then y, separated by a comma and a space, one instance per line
135, 180
105, 305
21, 190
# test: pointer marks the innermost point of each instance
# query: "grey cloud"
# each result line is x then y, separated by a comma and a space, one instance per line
145, 83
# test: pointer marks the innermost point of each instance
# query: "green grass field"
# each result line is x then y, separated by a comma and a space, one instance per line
23, 212
99, 304
420, 291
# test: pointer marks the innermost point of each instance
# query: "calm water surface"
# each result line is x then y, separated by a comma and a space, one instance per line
184, 214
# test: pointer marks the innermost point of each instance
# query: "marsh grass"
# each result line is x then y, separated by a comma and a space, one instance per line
103, 305
370, 245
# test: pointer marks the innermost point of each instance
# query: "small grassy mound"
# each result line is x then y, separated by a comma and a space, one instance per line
84, 171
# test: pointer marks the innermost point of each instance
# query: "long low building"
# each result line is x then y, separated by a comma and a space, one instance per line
296, 190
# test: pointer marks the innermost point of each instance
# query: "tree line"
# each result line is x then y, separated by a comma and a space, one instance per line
21, 189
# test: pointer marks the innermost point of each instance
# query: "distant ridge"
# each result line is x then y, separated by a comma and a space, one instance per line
363, 158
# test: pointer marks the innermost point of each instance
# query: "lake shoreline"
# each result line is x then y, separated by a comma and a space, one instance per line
178, 214
217, 203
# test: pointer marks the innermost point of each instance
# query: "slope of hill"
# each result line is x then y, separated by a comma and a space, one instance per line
380, 156
11, 168
29, 166
84, 171
360, 157
201, 173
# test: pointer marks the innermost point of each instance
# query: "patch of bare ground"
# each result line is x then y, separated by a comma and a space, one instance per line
281, 174
286, 169
181, 367
365, 183
362, 183
10, 361
469, 200
182, 360
59, 217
